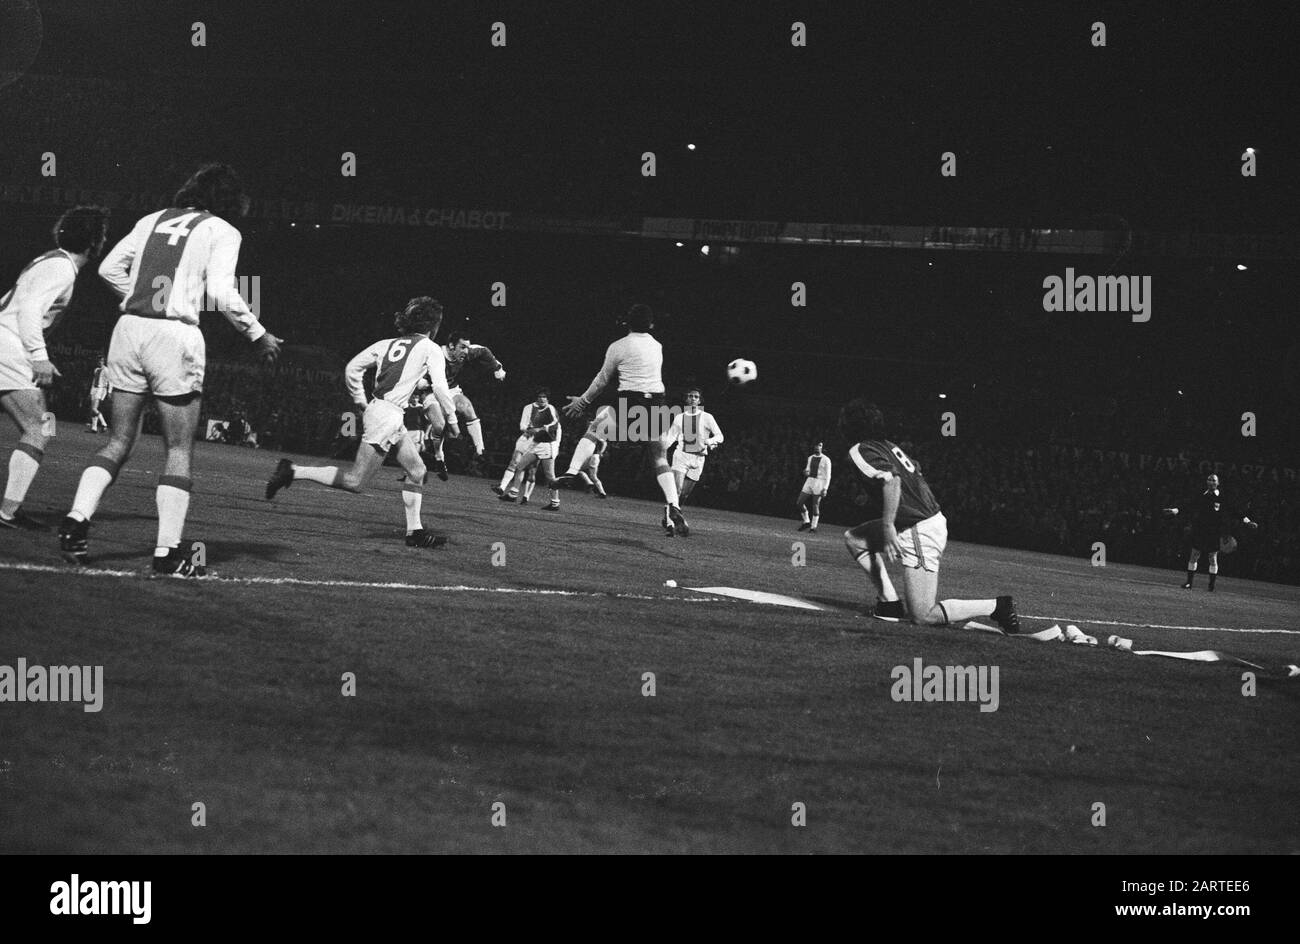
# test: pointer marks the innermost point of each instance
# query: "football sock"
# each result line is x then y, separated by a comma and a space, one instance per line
1212, 578
803, 513
959, 610
173, 499
412, 498
667, 482
23, 464
322, 474
475, 430
814, 520
581, 453
99, 475
509, 474
529, 485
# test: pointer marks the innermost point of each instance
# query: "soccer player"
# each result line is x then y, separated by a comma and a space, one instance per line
817, 482
637, 361
36, 303
1209, 523
695, 433
172, 264
460, 353
399, 363
590, 472
99, 389
907, 526
540, 432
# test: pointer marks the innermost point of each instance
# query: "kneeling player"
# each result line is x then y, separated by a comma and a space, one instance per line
816, 483
908, 526
399, 364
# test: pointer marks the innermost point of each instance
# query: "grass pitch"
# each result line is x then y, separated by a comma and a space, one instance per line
228, 692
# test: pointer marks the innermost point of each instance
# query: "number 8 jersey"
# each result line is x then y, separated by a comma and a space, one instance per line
879, 461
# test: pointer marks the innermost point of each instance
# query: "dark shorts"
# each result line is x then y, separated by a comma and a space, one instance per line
1207, 542
608, 398
413, 418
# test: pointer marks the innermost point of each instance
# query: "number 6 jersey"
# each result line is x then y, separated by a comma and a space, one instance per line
399, 364
880, 460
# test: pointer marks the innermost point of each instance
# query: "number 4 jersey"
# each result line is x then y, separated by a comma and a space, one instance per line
177, 263
879, 461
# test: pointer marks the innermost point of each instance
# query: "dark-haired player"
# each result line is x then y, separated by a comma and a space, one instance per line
539, 427
636, 361
907, 526
696, 433
35, 304
460, 352
816, 483
1210, 518
399, 363
100, 388
171, 266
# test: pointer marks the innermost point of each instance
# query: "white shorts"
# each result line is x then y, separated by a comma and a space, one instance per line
15, 366
382, 425
523, 443
543, 450
923, 543
156, 355
813, 486
690, 464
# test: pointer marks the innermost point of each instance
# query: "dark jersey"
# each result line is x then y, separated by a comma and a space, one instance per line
457, 361
546, 421
1209, 513
879, 460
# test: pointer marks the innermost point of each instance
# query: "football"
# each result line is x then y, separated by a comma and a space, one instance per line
741, 371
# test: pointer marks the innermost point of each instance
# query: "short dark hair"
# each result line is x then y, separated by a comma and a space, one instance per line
640, 318
689, 390
542, 392
861, 420
215, 188
457, 337
82, 229
422, 315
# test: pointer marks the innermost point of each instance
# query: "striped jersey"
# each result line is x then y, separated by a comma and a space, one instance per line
818, 467
880, 461
399, 363
176, 263
542, 418
38, 300
99, 384
695, 432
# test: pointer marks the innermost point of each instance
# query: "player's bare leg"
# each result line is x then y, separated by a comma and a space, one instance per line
128, 414
522, 469
668, 485
408, 457
1192, 560
529, 483
548, 479
433, 438
508, 476
920, 587
815, 512
802, 504
179, 417
888, 606
370, 458
1213, 567
592, 475
27, 407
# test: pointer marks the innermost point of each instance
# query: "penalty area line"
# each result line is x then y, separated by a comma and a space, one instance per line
69, 571
1084, 621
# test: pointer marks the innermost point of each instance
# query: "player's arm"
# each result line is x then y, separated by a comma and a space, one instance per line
222, 258
553, 427
524, 417
484, 356
599, 382
354, 375
892, 490
715, 434
49, 280
824, 467
115, 269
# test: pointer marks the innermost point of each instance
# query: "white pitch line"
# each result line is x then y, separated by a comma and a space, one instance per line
1200, 629
347, 584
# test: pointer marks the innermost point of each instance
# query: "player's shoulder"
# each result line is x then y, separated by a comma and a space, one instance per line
875, 448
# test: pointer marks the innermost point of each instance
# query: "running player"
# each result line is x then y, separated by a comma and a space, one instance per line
172, 264
907, 526
816, 483
399, 363
590, 473
460, 353
36, 303
1210, 519
540, 427
637, 361
99, 389
695, 432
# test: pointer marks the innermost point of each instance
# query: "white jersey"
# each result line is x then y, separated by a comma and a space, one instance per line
637, 360
37, 301
695, 433
177, 263
817, 472
399, 365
